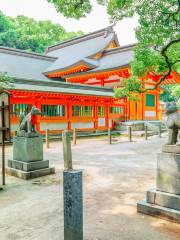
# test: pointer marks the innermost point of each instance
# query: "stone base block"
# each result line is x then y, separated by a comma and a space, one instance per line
161, 204
28, 149
163, 199
167, 183
28, 166
168, 173
158, 211
31, 174
171, 149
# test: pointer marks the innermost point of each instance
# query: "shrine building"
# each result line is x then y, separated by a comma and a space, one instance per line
72, 84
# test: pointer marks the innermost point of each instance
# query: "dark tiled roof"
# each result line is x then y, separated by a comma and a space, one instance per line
22, 53
117, 57
28, 68
22, 64
83, 48
59, 87
112, 59
101, 32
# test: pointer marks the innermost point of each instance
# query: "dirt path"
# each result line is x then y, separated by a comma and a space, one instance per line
115, 178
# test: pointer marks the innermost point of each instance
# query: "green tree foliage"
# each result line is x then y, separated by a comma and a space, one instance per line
73, 8
6, 82
176, 92
27, 34
158, 35
167, 96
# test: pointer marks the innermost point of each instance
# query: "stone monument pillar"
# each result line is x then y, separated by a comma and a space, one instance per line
73, 194
28, 151
164, 200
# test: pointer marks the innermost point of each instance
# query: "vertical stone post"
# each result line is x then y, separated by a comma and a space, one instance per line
66, 137
146, 131
73, 205
47, 138
74, 136
109, 136
73, 194
159, 130
130, 133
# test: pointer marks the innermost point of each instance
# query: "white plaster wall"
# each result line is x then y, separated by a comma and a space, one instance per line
53, 126
82, 125
150, 114
110, 122
101, 122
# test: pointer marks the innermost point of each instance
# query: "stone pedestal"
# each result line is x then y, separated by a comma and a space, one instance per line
164, 201
28, 158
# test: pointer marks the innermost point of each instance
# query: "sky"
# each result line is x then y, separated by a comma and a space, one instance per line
97, 19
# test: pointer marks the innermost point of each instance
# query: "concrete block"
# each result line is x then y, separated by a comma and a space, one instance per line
28, 149
168, 200
171, 148
151, 194
168, 173
31, 174
28, 166
158, 211
167, 183
163, 199
169, 162
73, 205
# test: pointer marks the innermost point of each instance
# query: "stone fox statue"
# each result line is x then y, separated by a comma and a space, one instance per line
27, 122
173, 122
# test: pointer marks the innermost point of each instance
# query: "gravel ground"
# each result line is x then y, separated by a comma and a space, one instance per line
115, 177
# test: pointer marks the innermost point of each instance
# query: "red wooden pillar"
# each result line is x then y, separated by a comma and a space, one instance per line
102, 82
157, 104
107, 115
143, 99
143, 106
39, 106
125, 110
95, 107
128, 110
69, 114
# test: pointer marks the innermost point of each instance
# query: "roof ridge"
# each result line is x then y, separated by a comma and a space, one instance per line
19, 52
119, 49
58, 83
85, 37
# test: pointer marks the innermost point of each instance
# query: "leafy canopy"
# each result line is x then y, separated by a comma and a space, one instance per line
158, 36
72, 8
176, 92
6, 82
27, 34
167, 95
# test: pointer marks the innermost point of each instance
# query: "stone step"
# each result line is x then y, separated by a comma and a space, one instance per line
28, 166
158, 211
163, 199
31, 174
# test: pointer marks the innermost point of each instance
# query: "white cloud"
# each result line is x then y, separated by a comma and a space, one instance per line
42, 10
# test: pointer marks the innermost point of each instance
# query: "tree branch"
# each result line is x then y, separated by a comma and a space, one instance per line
169, 65
175, 62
